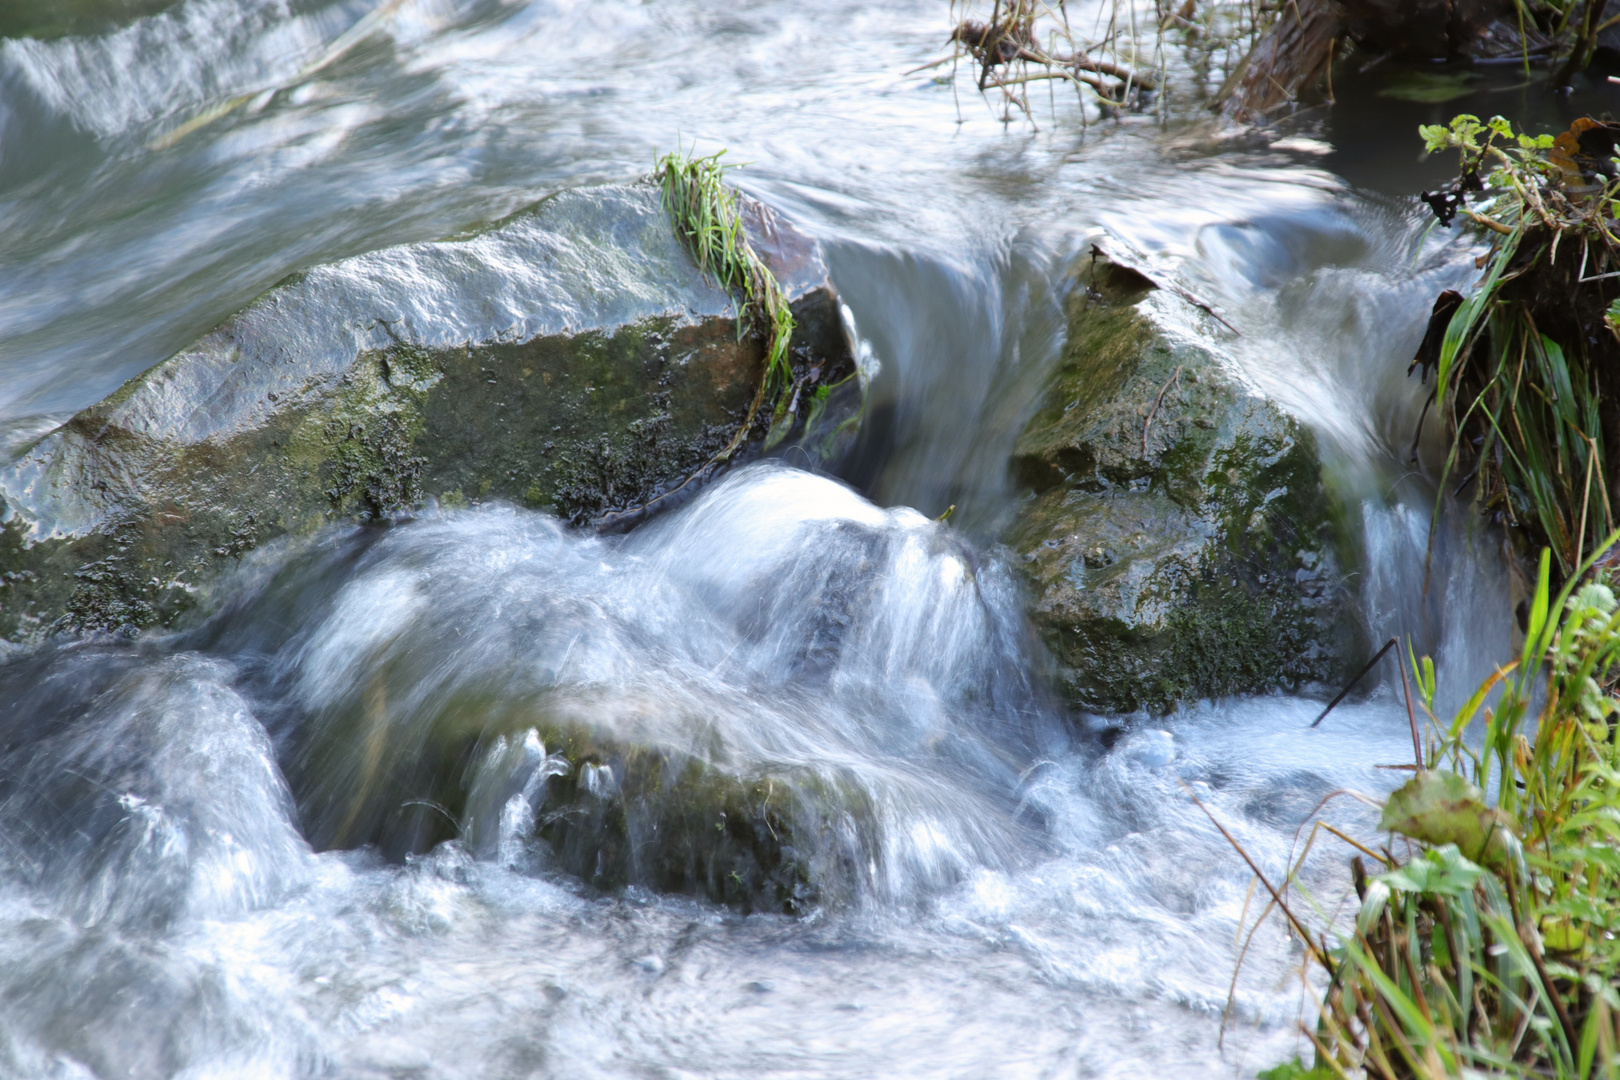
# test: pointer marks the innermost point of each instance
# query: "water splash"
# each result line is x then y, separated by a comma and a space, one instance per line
865, 664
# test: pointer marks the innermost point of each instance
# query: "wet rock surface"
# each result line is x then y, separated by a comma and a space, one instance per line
1178, 541
570, 357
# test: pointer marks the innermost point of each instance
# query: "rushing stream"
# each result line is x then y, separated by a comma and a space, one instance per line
1025, 893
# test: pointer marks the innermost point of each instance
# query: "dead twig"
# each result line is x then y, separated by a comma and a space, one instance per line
1146, 424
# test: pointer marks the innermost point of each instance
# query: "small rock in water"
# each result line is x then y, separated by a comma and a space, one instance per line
1153, 749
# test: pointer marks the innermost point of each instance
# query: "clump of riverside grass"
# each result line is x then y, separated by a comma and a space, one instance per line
1487, 946
1490, 948
1527, 369
704, 213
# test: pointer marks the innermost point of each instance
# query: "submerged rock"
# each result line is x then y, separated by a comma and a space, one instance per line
1179, 542
782, 696
570, 357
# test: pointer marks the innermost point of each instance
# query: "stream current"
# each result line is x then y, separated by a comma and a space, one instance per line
162, 909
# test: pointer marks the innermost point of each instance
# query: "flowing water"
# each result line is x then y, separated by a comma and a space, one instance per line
1022, 896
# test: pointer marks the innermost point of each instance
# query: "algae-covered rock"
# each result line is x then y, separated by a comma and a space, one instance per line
570, 357
1179, 542
60, 18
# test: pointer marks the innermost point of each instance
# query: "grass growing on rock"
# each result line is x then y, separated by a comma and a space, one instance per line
707, 221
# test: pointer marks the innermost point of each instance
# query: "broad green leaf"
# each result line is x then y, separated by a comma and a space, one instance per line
1442, 871
1436, 137
1440, 808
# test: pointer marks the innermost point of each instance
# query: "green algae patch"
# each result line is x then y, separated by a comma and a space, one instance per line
1178, 541
61, 18
584, 425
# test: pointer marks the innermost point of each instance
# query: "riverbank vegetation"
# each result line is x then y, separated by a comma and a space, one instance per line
1120, 53
1486, 938
1526, 370
1485, 943
1249, 59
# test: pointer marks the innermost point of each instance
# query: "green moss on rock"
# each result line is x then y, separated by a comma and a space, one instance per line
1179, 542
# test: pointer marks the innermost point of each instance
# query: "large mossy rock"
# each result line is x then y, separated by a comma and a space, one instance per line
570, 357
61, 18
1179, 542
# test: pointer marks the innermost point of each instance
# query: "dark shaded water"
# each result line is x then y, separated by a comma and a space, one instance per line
1023, 902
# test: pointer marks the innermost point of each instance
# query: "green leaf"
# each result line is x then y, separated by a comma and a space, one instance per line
1372, 905
1538, 605
1400, 1003
1436, 137
1467, 314
1293, 1070
1441, 871
1440, 808
1558, 369
1561, 934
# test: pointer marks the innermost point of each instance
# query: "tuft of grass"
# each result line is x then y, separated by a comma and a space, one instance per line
1527, 368
1491, 949
703, 211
